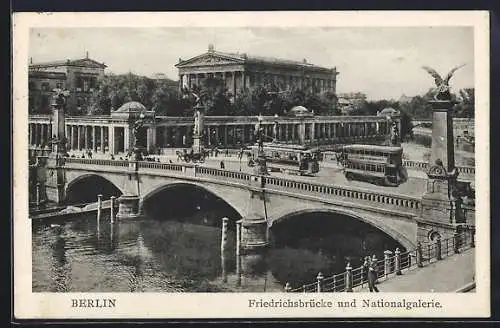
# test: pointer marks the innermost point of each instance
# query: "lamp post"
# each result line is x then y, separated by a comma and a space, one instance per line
261, 167
275, 129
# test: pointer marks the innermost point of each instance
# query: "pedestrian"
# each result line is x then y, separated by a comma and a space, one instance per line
222, 165
372, 274
366, 268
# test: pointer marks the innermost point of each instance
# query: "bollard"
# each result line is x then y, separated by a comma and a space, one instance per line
288, 288
348, 277
472, 233
397, 261
438, 248
223, 242
419, 255
238, 238
456, 246
99, 207
387, 262
238, 271
38, 194
319, 280
112, 209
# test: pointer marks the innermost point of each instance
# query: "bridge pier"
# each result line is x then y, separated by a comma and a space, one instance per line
128, 207
254, 227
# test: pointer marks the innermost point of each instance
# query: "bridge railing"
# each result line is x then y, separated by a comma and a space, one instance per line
393, 264
92, 161
160, 166
423, 166
405, 203
233, 175
395, 202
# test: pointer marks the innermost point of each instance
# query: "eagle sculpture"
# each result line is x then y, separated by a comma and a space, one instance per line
442, 87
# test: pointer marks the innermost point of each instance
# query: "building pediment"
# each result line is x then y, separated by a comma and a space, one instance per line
209, 59
87, 62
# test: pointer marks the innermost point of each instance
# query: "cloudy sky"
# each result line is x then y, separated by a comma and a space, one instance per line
383, 62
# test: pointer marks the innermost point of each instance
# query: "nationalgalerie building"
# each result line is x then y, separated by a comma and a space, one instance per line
243, 71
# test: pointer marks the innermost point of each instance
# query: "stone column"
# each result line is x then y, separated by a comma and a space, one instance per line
30, 134
254, 223
79, 137
86, 131
302, 133
111, 139
151, 138
103, 148
439, 206
234, 84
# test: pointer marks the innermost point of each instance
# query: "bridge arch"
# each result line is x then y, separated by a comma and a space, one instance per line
86, 187
399, 237
215, 192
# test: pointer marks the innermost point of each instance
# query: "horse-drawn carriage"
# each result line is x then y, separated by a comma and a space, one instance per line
191, 156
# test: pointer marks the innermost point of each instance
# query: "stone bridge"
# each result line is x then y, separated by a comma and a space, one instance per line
258, 199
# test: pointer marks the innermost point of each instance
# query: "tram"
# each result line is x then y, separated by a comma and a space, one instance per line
287, 158
382, 165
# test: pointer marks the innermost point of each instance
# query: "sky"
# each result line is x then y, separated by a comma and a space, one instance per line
382, 62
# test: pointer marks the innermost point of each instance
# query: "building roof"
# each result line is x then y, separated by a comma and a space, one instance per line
388, 111
83, 62
218, 57
131, 106
299, 111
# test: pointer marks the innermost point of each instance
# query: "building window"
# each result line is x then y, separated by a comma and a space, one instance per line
45, 86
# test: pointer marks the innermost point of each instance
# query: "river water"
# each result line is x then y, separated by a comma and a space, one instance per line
150, 255
176, 248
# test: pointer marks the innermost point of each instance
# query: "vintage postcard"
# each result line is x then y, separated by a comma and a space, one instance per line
251, 165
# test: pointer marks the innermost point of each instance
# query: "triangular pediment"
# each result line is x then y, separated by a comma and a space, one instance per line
208, 59
87, 62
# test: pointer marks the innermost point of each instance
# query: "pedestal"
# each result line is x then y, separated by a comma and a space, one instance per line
55, 178
260, 166
197, 145
254, 225
128, 207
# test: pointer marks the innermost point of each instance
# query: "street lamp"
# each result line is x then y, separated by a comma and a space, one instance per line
275, 128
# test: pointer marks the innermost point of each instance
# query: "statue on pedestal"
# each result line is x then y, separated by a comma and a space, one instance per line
442, 87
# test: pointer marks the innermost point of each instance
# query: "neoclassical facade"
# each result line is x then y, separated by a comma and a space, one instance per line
113, 133
243, 71
79, 76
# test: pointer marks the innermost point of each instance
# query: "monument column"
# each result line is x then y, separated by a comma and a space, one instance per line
441, 207
55, 183
103, 148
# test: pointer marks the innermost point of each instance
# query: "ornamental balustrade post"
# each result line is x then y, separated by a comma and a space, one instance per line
387, 262
419, 255
438, 248
319, 281
288, 288
348, 278
397, 261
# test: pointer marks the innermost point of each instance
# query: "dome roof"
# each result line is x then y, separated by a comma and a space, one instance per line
300, 111
131, 106
388, 111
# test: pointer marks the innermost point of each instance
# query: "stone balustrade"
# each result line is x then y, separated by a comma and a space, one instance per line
408, 204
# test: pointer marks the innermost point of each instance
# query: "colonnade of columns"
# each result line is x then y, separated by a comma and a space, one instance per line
117, 138
40, 134
230, 135
235, 81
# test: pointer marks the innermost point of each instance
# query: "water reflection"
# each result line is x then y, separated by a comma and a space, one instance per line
83, 255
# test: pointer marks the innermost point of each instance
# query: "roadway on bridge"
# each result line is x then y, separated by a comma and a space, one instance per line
447, 275
330, 173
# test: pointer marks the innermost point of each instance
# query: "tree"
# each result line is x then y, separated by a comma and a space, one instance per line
465, 107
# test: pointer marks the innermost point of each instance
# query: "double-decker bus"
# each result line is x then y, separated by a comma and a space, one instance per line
286, 158
382, 165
